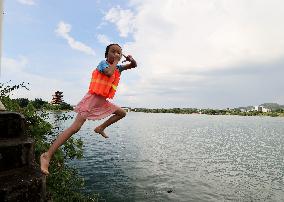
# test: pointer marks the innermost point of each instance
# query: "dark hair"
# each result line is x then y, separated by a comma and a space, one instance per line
107, 48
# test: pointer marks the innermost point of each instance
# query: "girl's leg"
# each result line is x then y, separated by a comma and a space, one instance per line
64, 136
118, 114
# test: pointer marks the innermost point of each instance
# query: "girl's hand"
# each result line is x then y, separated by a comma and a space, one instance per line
132, 63
127, 58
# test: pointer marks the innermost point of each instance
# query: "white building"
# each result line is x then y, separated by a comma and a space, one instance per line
261, 109
127, 109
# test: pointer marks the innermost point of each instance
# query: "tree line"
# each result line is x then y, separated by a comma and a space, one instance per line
39, 104
273, 113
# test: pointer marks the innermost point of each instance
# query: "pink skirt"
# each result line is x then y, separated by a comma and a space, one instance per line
95, 107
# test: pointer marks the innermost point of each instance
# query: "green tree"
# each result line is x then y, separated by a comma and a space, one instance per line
23, 102
38, 103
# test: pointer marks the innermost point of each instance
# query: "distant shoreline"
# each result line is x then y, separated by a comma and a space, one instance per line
210, 112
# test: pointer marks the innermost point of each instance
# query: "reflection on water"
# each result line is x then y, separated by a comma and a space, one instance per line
171, 157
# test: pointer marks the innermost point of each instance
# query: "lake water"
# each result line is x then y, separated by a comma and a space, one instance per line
175, 157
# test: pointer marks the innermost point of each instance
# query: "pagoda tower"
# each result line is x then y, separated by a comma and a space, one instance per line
57, 98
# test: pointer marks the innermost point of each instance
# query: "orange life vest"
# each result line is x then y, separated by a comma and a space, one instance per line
103, 85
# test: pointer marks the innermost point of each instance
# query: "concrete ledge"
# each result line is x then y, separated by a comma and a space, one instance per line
25, 184
12, 124
16, 153
20, 180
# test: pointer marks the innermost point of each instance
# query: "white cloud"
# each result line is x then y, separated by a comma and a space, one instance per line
102, 24
208, 34
63, 30
27, 2
103, 39
173, 40
123, 19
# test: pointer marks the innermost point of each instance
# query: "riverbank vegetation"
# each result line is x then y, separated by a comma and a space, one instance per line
40, 104
237, 111
64, 183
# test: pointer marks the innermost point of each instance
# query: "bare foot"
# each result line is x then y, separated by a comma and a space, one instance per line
44, 163
100, 131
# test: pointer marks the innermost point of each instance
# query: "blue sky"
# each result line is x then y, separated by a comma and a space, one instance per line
211, 53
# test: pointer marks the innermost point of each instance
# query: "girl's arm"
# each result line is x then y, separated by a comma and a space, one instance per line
110, 69
132, 63
112, 61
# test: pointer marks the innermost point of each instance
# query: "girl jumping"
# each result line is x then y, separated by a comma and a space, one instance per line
94, 105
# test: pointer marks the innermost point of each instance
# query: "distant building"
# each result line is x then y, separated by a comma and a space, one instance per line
261, 109
127, 109
57, 98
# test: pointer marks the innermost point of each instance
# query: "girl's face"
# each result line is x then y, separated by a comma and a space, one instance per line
114, 53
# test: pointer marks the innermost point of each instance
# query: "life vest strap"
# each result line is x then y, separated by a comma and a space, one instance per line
114, 87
